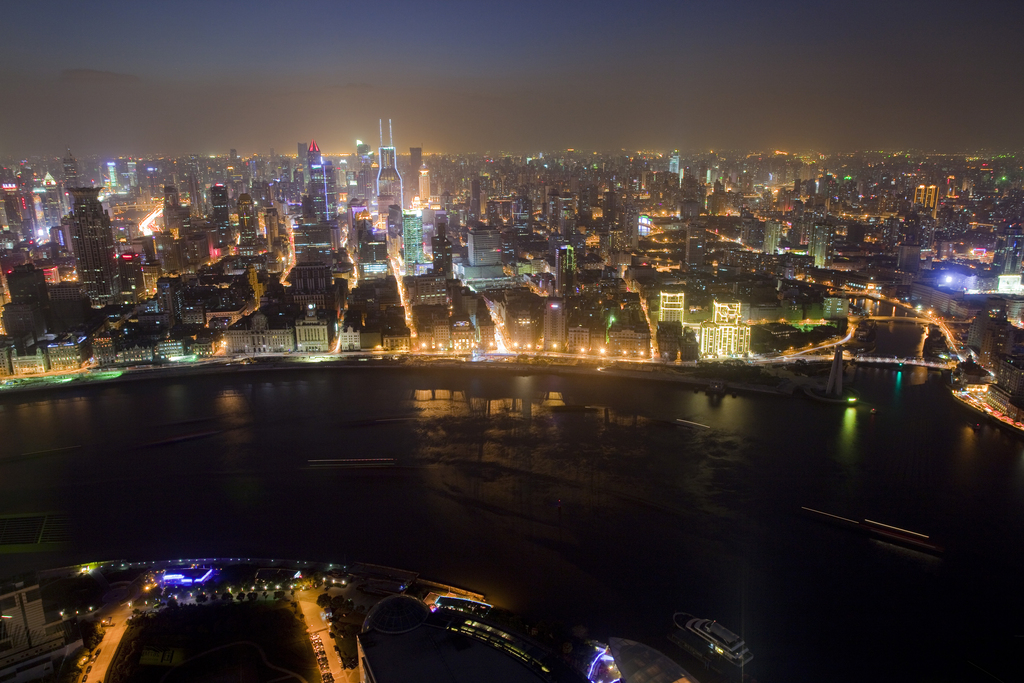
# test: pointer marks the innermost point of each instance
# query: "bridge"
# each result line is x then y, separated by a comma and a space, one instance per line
909, 318
895, 360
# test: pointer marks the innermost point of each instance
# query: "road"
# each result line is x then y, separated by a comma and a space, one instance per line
316, 624
118, 609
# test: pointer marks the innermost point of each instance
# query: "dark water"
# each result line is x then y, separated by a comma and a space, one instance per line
651, 519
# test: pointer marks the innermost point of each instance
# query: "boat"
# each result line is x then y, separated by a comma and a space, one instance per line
719, 640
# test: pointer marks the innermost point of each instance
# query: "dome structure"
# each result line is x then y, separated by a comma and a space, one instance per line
396, 614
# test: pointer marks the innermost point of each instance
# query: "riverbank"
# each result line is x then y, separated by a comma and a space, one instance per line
650, 372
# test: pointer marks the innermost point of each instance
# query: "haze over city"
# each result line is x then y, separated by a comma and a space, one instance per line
198, 77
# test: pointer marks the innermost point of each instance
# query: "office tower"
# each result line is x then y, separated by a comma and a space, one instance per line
442, 250
129, 277
554, 324
772, 237
94, 246
671, 307
424, 186
16, 207
112, 176
300, 153
412, 240
474, 198
416, 158
70, 171
220, 213
272, 224
565, 271
673, 163
631, 225
695, 246
484, 247
36, 641
247, 224
819, 247
389, 181
321, 183
928, 197
312, 238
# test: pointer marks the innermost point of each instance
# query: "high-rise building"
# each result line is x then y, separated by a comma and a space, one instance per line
565, 271
819, 247
554, 324
415, 158
673, 163
131, 284
70, 171
221, 213
631, 225
389, 181
484, 247
695, 246
928, 197
442, 250
412, 240
671, 307
322, 184
772, 237
272, 224
94, 246
248, 227
424, 186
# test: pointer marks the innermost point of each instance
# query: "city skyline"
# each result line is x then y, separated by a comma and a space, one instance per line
461, 78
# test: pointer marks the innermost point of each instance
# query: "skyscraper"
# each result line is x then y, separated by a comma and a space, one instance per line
820, 245
321, 183
565, 275
412, 240
94, 246
772, 237
247, 225
928, 197
220, 214
416, 158
389, 181
442, 250
424, 186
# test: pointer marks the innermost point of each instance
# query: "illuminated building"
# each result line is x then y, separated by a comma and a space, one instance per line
631, 225
578, 339
129, 277
928, 197
112, 176
70, 171
94, 246
565, 273
772, 237
389, 181
247, 224
724, 335
671, 307
271, 224
554, 325
186, 576
257, 333
424, 186
484, 247
835, 308
673, 162
220, 213
821, 244
312, 333
322, 186
20, 212
412, 240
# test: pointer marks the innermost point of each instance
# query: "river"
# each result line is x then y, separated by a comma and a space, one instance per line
607, 519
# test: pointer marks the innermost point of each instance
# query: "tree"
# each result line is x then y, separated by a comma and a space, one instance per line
201, 597
279, 595
323, 600
240, 596
225, 596
264, 595
252, 596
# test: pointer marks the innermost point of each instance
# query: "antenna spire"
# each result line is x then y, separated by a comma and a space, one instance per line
380, 124
390, 134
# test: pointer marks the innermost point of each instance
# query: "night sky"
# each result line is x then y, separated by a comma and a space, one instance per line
147, 77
